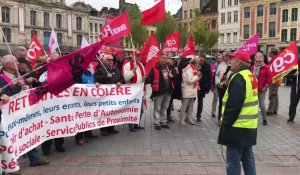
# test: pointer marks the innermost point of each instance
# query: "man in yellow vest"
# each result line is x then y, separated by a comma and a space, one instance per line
238, 130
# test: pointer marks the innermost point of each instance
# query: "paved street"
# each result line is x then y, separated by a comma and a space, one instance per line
179, 150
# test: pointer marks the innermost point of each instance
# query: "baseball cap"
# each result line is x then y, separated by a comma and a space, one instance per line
241, 55
137, 52
119, 52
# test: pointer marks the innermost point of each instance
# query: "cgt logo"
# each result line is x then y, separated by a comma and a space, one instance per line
31, 54
280, 63
153, 51
171, 42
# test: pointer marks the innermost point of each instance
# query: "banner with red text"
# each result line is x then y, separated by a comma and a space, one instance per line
115, 29
77, 109
172, 43
284, 62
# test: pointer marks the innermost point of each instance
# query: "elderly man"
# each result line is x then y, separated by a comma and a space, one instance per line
134, 72
161, 79
20, 51
8, 74
108, 75
238, 130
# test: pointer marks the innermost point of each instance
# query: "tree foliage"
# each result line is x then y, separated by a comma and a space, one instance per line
165, 27
184, 35
203, 37
139, 32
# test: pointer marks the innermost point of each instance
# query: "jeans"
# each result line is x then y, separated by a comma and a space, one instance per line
34, 156
237, 155
294, 100
262, 106
199, 107
273, 98
214, 102
161, 103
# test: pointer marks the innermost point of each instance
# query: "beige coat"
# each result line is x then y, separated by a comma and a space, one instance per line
188, 83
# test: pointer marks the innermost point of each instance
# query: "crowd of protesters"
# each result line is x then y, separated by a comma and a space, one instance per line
187, 80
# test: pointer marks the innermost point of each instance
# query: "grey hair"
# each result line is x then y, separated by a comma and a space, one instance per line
19, 48
107, 56
259, 54
194, 60
6, 59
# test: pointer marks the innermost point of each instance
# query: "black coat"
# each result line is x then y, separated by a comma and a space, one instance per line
101, 76
205, 81
177, 92
232, 136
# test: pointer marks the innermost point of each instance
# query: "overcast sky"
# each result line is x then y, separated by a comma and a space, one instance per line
171, 5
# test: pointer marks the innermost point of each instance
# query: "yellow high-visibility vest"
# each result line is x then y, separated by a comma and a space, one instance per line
248, 117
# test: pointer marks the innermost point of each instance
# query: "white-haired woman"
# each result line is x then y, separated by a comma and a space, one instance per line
262, 72
189, 88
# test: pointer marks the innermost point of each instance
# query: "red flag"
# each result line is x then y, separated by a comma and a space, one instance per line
154, 14
150, 53
64, 72
35, 50
284, 62
189, 48
115, 29
172, 43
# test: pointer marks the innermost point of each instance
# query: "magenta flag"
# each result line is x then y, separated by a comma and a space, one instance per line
251, 45
65, 71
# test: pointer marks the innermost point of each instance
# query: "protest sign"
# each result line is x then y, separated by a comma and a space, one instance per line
79, 108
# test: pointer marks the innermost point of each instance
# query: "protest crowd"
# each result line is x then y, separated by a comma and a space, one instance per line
188, 79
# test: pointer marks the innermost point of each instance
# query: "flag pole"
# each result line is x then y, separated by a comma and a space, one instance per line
18, 73
297, 81
132, 48
102, 64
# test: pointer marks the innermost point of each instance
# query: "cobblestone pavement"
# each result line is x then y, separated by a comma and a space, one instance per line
179, 150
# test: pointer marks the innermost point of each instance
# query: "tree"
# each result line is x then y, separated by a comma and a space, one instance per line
166, 27
184, 35
203, 37
139, 32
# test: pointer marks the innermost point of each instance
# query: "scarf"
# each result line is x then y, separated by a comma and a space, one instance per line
196, 84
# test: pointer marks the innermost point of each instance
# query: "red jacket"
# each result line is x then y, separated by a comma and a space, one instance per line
264, 77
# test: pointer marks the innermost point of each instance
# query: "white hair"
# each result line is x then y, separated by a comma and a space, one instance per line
18, 49
6, 59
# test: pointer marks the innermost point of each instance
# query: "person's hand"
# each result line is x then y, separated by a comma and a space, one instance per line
198, 73
21, 81
171, 75
31, 80
135, 68
5, 98
296, 73
109, 75
97, 84
119, 84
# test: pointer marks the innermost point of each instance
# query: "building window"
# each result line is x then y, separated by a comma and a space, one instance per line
272, 29
96, 28
246, 31
100, 27
5, 14
236, 2
59, 38
234, 37
259, 29
78, 23
293, 34
229, 38
185, 14
229, 3
285, 15
191, 13
284, 35
46, 39
273, 9
46, 19
229, 17
222, 38
32, 17
79, 39
260, 10
7, 34
91, 27
222, 18
58, 20
236, 16
223, 3
247, 12
214, 24
294, 14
